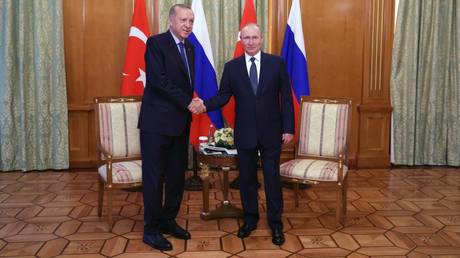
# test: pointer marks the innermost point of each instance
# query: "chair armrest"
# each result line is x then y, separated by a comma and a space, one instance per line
108, 156
343, 160
103, 151
109, 160
343, 156
108, 163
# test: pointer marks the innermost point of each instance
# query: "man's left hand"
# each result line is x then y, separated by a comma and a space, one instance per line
287, 138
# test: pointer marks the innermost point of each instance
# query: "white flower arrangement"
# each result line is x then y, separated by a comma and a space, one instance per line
224, 138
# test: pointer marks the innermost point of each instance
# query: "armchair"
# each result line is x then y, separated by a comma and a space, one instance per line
321, 152
118, 145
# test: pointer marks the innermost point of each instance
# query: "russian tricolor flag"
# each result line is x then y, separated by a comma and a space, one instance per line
293, 52
205, 75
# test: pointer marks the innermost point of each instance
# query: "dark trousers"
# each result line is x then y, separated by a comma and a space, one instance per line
164, 161
247, 159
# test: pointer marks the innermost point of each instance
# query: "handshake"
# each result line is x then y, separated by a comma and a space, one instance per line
197, 106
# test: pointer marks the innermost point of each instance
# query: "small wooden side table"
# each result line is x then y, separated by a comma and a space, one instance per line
224, 163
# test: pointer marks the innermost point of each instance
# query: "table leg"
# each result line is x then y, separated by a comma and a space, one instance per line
226, 209
205, 176
225, 171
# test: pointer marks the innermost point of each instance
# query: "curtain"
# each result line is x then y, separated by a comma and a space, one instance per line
33, 101
223, 18
425, 83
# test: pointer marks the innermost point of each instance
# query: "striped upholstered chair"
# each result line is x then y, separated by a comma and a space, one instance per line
321, 151
118, 147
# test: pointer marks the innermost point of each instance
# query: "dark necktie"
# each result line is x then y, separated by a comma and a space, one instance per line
184, 59
253, 75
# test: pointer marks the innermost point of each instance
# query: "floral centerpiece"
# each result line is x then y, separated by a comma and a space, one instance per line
224, 138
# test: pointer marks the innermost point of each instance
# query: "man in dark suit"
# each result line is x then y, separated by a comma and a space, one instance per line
164, 124
264, 119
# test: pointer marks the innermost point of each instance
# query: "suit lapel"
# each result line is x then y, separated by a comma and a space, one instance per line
190, 59
176, 54
262, 75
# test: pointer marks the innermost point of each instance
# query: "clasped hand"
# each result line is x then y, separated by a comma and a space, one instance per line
197, 106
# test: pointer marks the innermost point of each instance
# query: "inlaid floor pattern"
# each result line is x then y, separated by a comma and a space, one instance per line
391, 213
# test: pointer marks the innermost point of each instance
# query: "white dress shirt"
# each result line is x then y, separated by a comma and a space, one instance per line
256, 62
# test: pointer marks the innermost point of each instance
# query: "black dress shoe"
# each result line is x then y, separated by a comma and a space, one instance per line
157, 241
246, 230
174, 230
277, 236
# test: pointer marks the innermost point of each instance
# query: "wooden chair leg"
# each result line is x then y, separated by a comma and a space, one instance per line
296, 194
344, 200
100, 197
338, 214
109, 207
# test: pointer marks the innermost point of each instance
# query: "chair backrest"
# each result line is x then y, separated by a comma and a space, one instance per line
116, 122
324, 126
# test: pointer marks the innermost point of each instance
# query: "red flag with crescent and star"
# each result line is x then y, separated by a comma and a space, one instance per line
133, 82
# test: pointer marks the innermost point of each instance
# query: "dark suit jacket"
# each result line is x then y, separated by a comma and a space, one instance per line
264, 117
167, 92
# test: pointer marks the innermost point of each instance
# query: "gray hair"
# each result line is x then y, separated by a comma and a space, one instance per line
172, 10
253, 24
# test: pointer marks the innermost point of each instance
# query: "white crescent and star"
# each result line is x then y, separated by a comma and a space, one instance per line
137, 33
141, 77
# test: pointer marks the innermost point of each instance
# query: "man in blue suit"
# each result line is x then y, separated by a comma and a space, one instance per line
164, 124
264, 119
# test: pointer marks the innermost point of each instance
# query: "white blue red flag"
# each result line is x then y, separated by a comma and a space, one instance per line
293, 52
205, 75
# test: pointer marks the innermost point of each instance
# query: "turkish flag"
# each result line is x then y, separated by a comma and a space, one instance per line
133, 82
249, 16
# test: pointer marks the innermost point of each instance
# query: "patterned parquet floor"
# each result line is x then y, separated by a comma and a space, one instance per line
391, 213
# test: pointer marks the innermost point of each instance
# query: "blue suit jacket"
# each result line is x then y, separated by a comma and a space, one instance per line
260, 118
167, 92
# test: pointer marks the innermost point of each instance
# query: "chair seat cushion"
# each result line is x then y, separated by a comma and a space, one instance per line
123, 172
311, 169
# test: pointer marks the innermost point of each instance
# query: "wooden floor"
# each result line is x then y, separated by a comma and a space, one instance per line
397, 213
